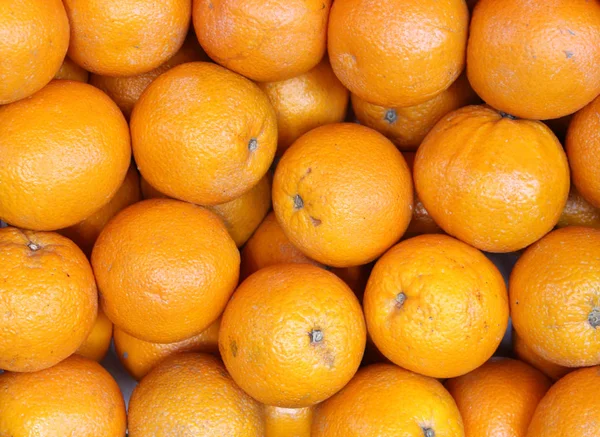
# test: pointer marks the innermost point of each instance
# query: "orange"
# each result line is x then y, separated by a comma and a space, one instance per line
579, 212
312, 99
343, 194
35, 38
498, 398
158, 262
126, 38
535, 59
559, 274
69, 70
407, 126
139, 356
494, 182
264, 40
429, 294
85, 233
299, 343
569, 407
203, 116
65, 152
397, 53
385, 400
288, 422
49, 299
97, 343
526, 354
192, 395
583, 149
126, 90
74, 398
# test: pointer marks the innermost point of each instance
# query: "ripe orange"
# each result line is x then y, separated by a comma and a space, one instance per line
299, 343
157, 262
49, 299
407, 126
570, 407
385, 400
397, 53
192, 395
534, 59
74, 398
97, 342
494, 182
343, 194
288, 422
35, 38
203, 116
266, 40
429, 294
126, 38
304, 102
499, 398
526, 354
69, 70
65, 152
579, 212
139, 356
554, 297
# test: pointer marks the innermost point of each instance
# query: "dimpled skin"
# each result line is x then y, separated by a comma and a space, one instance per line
97, 342
305, 102
407, 127
139, 357
202, 116
292, 335
288, 422
69, 70
77, 397
48, 299
527, 355
35, 38
430, 293
386, 401
579, 212
535, 59
126, 37
397, 53
190, 395
65, 152
499, 398
264, 40
496, 183
583, 150
343, 194
554, 297
158, 262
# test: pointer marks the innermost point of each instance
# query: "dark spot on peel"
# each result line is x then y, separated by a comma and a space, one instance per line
505, 115
298, 202
234, 348
125, 355
594, 318
400, 299
569, 54
428, 432
315, 222
252, 144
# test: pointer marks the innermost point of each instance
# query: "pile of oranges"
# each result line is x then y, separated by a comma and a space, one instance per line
277, 212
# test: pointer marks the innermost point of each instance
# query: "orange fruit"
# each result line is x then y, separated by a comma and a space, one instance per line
288, 422
35, 38
126, 38
560, 274
266, 40
85, 233
579, 212
69, 70
541, 62
498, 398
49, 299
397, 53
65, 152
300, 343
203, 116
75, 397
583, 145
126, 90
192, 395
385, 400
343, 194
157, 262
304, 102
407, 126
139, 356
494, 182
97, 343
430, 293
526, 354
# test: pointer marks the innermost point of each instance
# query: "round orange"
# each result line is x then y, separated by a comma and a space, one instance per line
157, 262
49, 299
69, 70
299, 343
288, 422
97, 343
494, 182
579, 212
526, 354
65, 152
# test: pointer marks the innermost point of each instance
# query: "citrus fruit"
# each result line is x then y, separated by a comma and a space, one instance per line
526, 354
288, 422
579, 212
97, 343
69, 70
